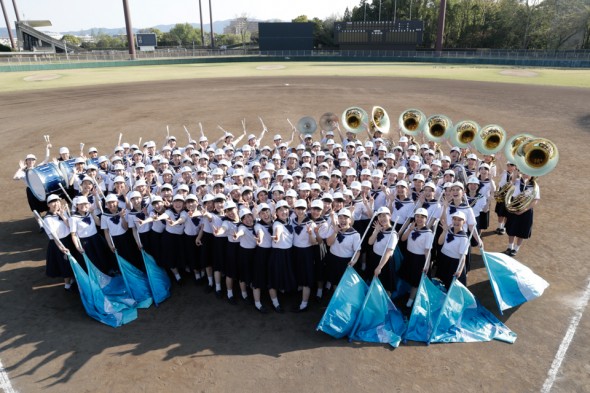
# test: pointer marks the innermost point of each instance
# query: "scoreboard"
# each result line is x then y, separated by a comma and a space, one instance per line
146, 41
401, 35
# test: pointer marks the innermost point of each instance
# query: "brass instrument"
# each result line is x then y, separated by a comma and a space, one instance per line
490, 139
500, 194
328, 121
536, 156
412, 122
380, 120
306, 125
513, 144
437, 128
355, 120
464, 133
522, 201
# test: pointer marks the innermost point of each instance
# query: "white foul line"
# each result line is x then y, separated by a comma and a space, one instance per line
565, 343
5, 384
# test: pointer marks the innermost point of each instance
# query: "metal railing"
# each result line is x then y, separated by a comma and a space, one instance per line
576, 58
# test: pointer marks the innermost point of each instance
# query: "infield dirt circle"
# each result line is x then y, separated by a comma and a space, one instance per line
194, 342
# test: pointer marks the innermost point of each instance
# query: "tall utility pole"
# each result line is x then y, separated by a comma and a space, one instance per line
201, 20
130, 38
379, 10
15, 10
211, 21
441, 27
8, 25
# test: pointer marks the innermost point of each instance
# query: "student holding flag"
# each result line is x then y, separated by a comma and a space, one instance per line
417, 257
384, 240
455, 244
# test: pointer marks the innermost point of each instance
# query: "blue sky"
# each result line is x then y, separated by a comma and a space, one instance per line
71, 15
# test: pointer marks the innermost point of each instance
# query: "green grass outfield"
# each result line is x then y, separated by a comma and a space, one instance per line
37, 80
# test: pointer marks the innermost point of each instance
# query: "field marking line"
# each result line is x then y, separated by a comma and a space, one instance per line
565, 343
5, 384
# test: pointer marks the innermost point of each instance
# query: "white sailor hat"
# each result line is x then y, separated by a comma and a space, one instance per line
300, 203
344, 213
134, 194
229, 205
80, 200
52, 198
421, 211
281, 204
383, 210
64, 150
263, 206
317, 204
244, 212
458, 214
111, 198
178, 197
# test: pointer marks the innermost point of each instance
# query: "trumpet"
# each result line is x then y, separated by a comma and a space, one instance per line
355, 119
411, 122
490, 139
437, 127
380, 120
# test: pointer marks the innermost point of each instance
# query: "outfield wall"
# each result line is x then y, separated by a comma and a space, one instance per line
33, 64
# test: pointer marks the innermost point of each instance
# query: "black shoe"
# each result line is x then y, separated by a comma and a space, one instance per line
261, 310
279, 309
208, 288
512, 253
232, 300
318, 299
179, 281
218, 294
248, 300
508, 251
298, 309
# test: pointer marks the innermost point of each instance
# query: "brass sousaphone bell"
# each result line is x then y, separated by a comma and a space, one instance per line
411, 122
490, 139
437, 128
464, 133
536, 156
380, 120
355, 120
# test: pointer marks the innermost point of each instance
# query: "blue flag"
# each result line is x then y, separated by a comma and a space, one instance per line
158, 279
401, 286
378, 320
344, 307
427, 305
95, 302
463, 319
136, 282
512, 282
113, 289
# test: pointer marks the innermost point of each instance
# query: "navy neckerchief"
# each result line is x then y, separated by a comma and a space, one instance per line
340, 236
451, 236
299, 226
287, 225
381, 234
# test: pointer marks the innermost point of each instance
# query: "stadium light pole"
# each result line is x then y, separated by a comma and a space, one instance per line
211, 21
130, 38
379, 10
15, 10
441, 27
8, 25
201, 20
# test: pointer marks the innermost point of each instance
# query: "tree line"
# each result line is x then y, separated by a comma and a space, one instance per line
494, 24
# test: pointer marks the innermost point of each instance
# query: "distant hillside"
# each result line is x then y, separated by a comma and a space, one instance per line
218, 27
4, 32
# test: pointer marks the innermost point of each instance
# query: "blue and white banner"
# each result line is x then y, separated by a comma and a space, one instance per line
463, 319
427, 305
343, 309
136, 282
512, 282
379, 321
157, 278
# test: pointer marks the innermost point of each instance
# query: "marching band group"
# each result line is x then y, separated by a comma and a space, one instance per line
278, 218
